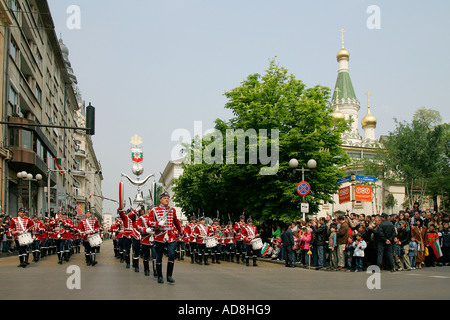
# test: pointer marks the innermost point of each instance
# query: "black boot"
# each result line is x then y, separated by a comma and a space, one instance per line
60, 257
170, 266
206, 260
136, 264
127, 261
238, 258
93, 262
154, 269
159, 271
88, 259
254, 262
192, 258
218, 258
199, 258
182, 255
146, 267
246, 261
21, 264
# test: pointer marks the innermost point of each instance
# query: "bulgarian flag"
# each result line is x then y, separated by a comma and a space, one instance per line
433, 242
265, 249
58, 162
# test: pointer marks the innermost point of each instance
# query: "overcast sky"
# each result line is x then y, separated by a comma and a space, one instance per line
152, 67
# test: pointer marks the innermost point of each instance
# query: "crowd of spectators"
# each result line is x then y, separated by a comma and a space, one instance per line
6, 240
407, 240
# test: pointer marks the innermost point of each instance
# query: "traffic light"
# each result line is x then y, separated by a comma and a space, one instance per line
90, 119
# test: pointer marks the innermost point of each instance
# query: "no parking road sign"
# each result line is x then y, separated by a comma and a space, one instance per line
303, 188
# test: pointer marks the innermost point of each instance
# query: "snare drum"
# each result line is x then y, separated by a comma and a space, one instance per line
25, 239
256, 243
95, 240
211, 242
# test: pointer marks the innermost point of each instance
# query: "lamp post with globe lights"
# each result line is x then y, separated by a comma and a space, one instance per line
312, 164
23, 175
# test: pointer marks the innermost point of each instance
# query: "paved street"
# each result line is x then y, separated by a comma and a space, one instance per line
110, 280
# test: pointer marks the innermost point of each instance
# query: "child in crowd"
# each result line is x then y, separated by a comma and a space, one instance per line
276, 252
359, 246
332, 246
397, 253
412, 253
306, 242
349, 249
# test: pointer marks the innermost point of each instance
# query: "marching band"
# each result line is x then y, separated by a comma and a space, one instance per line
148, 234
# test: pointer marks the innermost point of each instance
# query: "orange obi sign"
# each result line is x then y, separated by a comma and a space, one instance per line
363, 193
344, 194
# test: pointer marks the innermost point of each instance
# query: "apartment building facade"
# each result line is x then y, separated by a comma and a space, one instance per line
42, 108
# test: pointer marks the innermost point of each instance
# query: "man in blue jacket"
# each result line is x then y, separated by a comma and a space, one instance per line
287, 240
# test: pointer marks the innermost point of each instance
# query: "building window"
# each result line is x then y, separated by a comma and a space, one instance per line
14, 50
14, 6
26, 139
40, 149
38, 93
14, 137
13, 96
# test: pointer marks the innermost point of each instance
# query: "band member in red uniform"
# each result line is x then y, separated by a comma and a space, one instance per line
65, 232
89, 227
129, 233
189, 231
215, 231
164, 220
36, 231
249, 232
181, 244
20, 225
228, 240
201, 231
240, 249
45, 238
143, 225
114, 229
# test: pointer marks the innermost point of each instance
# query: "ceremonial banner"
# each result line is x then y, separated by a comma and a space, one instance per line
363, 193
344, 194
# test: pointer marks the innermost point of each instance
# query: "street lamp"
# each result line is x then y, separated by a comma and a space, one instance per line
28, 176
293, 164
312, 164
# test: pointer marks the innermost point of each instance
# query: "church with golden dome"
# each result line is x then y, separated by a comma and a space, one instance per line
346, 105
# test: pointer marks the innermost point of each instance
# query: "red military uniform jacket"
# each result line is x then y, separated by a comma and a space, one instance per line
237, 229
249, 233
228, 235
66, 231
20, 225
117, 228
37, 230
201, 231
129, 229
165, 233
144, 226
88, 227
214, 231
189, 231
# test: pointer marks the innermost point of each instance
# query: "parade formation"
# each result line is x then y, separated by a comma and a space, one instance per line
43, 237
143, 233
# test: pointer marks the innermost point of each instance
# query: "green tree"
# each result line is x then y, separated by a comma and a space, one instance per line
294, 118
415, 154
